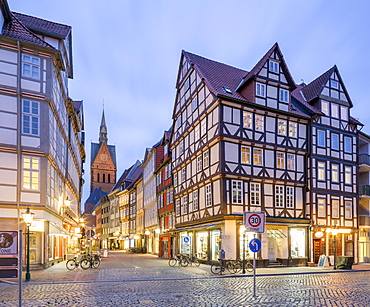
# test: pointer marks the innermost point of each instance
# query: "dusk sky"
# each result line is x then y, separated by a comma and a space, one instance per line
126, 54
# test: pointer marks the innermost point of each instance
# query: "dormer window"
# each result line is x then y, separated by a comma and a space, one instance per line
260, 90
284, 96
227, 90
274, 67
334, 84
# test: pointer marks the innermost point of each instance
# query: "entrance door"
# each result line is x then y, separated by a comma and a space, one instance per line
35, 248
272, 246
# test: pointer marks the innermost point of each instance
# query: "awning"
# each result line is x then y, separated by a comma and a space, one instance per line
196, 227
275, 233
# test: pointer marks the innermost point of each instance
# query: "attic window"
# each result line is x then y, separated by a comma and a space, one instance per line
274, 67
334, 84
227, 90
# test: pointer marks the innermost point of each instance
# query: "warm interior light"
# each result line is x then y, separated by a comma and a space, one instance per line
67, 202
147, 232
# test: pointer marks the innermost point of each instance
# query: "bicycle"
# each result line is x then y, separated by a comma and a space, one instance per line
90, 261
190, 260
178, 259
223, 264
72, 263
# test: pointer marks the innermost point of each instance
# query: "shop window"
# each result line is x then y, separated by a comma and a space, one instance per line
298, 242
202, 245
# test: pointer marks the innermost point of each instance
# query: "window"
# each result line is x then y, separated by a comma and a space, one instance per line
321, 212
279, 196
334, 110
257, 156
31, 167
206, 159
321, 171
347, 144
178, 208
195, 200
274, 67
246, 155
348, 210
335, 173
236, 191
260, 90
290, 161
292, 130
281, 127
203, 127
290, 197
321, 138
199, 163
343, 113
30, 67
335, 141
284, 96
334, 84
183, 174
175, 180
30, 117
182, 147
255, 194
194, 103
280, 160
259, 120
247, 120
197, 133
185, 204
325, 107
335, 209
208, 195
348, 175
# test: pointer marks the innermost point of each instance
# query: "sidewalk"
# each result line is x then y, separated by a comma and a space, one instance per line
120, 266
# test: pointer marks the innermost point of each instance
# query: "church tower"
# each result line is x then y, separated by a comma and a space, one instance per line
103, 162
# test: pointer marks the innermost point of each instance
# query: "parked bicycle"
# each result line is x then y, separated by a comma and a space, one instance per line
178, 260
225, 264
190, 260
85, 262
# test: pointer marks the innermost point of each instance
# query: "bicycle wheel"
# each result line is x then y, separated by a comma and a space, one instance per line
172, 262
196, 262
95, 263
85, 264
249, 267
231, 267
216, 268
237, 267
71, 264
184, 262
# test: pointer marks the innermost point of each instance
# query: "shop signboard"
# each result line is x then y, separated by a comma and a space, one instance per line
8, 254
185, 245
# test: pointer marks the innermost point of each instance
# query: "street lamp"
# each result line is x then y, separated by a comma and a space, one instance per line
28, 217
242, 228
334, 232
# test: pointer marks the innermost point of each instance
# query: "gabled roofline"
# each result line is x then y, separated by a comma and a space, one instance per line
5, 9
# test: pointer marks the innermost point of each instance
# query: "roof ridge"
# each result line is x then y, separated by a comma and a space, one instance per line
38, 18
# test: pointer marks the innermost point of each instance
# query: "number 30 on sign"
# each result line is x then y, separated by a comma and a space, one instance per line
254, 221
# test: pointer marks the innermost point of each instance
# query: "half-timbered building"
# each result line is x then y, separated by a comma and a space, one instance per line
243, 141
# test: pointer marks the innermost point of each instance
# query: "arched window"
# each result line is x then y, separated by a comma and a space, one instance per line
109, 178
103, 177
98, 177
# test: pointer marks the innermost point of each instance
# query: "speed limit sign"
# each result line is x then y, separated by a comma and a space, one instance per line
254, 221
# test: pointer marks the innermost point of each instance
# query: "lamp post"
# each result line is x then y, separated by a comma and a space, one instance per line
335, 232
242, 228
28, 217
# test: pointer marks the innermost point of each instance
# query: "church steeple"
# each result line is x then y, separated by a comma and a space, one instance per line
103, 135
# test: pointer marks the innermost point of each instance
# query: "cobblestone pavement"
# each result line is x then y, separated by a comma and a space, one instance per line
142, 280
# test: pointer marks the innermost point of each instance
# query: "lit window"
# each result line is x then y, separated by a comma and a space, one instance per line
246, 155
290, 197
247, 120
335, 141
274, 67
30, 117
257, 156
334, 84
344, 113
321, 138
260, 90
236, 191
284, 96
321, 171
292, 130
347, 144
325, 107
259, 123
335, 209
280, 160
281, 127
321, 210
208, 195
348, 175
30, 67
255, 194
348, 210
206, 159
334, 110
335, 173
279, 196
31, 168
290, 158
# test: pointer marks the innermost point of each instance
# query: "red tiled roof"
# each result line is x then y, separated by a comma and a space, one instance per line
297, 93
44, 26
15, 29
313, 90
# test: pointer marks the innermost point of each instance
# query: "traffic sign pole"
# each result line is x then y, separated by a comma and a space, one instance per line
254, 273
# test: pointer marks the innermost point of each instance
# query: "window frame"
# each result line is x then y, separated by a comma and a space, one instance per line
247, 120
282, 127
245, 157
283, 95
236, 192
274, 66
326, 109
208, 193
321, 170
334, 110
293, 128
32, 66
259, 156
33, 118
335, 204
280, 160
260, 90
31, 170
321, 138
289, 195
321, 208
335, 173
348, 175
259, 123
348, 204
347, 144
279, 196
255, 194
336, 143
290, 160
196, 200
